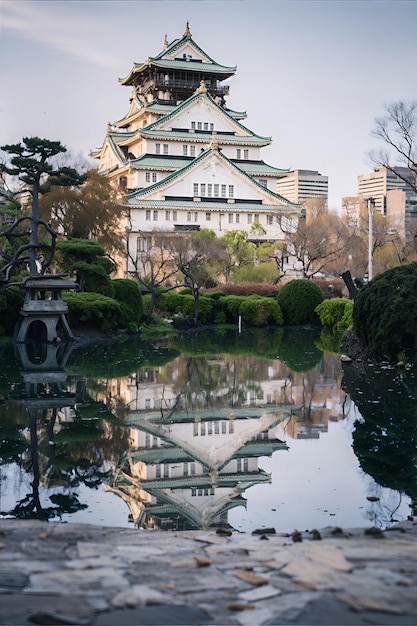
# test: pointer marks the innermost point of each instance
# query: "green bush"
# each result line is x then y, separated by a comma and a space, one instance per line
385, 312
128, 292
255, 310
205, 308
95, 309
11, 301
298, 300
336, 313
230, 305
169, 301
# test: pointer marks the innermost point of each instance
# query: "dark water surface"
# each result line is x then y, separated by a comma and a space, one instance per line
262, 428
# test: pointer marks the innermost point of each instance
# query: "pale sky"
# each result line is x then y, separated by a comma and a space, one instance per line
313, 75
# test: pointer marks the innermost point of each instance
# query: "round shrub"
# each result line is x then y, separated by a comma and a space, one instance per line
385, 312
336, 313
298, 300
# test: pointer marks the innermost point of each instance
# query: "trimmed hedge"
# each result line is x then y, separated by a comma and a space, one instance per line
298, 300
336, 313
255, 310
93, 308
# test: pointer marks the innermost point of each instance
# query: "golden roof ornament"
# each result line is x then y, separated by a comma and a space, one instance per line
108, 128
202, 87
214, 144
187, 31
165, 42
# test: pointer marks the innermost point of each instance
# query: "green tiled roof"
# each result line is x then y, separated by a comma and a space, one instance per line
167, 164
139, 198
248, 134
176, 45
243, 140
258, 168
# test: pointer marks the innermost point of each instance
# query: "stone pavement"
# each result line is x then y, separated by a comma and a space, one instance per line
53, 573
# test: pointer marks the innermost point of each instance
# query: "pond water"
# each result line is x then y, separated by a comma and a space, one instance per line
262, 428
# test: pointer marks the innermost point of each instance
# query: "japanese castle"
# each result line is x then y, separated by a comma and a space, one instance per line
184, 159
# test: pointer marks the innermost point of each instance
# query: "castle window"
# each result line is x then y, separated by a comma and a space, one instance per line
155, 216
192, 151
193, 125
196, 216
230, 218
199, 126
269, 219
158, 148
238, 153
216, 190
209, 190
237, 218
195, 189
206, 126
256, 217
167, 216
148, 177
203, 189
148, 214
250, 218
154, 177
211, 126
231, 191
208, 217
246, 154
174, 216
223, 191
185, 150
263, 182
165, 148
188, 216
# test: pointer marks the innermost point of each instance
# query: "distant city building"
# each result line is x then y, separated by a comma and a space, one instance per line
378, 183
301, 185
393, 197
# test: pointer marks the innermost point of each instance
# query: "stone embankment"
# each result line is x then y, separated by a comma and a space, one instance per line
53, 573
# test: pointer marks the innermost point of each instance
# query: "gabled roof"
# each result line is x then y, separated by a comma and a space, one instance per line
188, 104
111, 141
207, 155
181, 54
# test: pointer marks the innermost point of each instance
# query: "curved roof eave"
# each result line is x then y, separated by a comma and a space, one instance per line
189, 101
151, 188
196, 137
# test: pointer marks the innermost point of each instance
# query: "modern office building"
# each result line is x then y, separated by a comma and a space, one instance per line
394, 198
184, 158
378, 183
301, 185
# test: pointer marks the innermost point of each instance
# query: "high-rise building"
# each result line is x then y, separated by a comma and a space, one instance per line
301, 185
184, 158
378, 183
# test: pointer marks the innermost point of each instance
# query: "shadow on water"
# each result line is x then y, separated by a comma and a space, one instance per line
177, 428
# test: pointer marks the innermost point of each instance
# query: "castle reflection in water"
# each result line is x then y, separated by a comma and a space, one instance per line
194, 428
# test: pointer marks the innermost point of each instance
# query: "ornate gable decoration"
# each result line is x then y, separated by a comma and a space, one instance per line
212, 166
